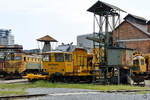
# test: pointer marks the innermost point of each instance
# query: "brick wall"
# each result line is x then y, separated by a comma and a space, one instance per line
127, 31
141, 46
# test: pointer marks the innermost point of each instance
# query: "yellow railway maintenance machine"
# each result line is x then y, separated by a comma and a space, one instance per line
139, 70
66, 66
14, 64
18, 64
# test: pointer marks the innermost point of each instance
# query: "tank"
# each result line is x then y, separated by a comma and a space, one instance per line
120, 57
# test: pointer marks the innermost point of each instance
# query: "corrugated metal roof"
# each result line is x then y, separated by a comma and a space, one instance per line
47, 38
142, 28
137, 17
101, 7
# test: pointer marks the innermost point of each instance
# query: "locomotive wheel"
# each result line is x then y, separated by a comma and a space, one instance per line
52, 78
76, 79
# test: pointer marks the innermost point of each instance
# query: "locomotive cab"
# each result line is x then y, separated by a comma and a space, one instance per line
59, 63
14, 63
139, 65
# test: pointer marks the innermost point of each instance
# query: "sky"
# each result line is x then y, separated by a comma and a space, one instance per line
63, 20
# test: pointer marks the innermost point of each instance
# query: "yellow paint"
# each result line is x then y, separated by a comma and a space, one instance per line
16, 65
147, 60
139, 65
78, 64
17, 62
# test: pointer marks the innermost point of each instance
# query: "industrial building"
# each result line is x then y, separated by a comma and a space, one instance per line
86, 42
82, 41
133, 32
6, 38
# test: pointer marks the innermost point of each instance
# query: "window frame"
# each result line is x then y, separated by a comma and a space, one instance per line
12, 57
61, 58
142, 61
69, 57
16, 58
136, 62
49, 57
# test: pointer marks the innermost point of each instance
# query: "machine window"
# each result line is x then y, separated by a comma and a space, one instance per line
12, 57
142, 61
8, 58
59, 57
18, 57
46, 57
68, 57
136, 62
71, 57
24, 58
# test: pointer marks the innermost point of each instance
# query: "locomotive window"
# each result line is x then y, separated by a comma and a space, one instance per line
59, 57
71, 57
142, 61
68, 57
18, 57
12, 57
46, 58
8, 58
24, 58
136, 62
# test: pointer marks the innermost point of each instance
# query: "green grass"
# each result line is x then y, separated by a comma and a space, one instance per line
11, 92
47, 84
144, 92
19, 89
12, 89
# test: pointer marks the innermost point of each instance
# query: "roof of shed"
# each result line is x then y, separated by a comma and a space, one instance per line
136, 17
47, 38
142, 28
101, 7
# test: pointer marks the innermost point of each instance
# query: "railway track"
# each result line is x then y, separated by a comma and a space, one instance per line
21, 96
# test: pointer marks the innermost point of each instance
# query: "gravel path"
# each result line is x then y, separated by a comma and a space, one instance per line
55, 90
83, 94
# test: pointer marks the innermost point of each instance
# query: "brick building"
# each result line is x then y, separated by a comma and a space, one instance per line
133, 32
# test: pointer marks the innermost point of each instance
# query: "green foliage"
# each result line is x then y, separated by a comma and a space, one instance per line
18, 89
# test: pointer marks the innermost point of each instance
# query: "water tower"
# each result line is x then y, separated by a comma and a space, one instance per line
106, 18
47, 42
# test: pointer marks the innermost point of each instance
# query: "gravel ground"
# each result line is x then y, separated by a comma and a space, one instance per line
83, 94
100, 96
54, 90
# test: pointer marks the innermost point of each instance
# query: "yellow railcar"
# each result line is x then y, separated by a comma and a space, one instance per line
14, 64
139, 65
57, 62
17, 64
139, 71
68, 65
33, 63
